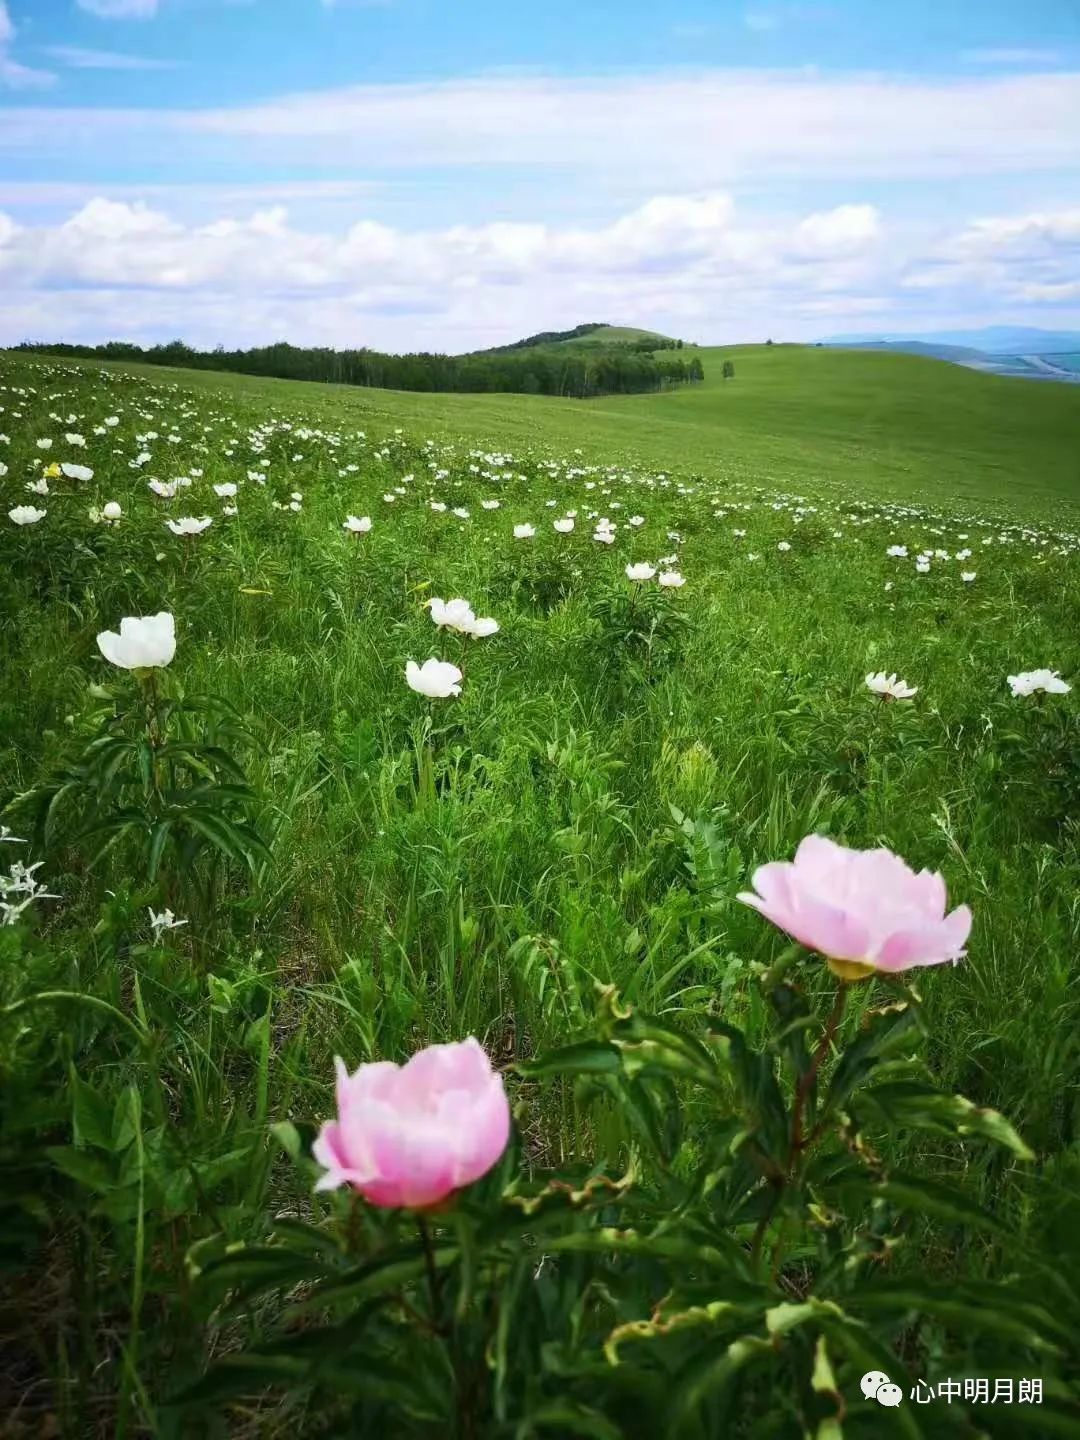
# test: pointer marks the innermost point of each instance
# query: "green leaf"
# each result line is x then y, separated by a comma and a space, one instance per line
910, 1103
91, 1115
914, 1193
591, 1057
882, 1032
90, 1170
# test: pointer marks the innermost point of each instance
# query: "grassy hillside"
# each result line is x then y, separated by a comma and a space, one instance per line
588, 336
278, 846
796, 417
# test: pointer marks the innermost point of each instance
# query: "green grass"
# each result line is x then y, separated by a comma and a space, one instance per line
483, 880
847, 423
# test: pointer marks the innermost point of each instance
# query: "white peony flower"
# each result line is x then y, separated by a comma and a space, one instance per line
889, 687
641, 571
1030, 681
189, 525
144, 643
524, 532
452, 614
357, 524
26, 515
437, 679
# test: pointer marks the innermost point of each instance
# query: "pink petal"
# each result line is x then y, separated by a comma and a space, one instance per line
931, 944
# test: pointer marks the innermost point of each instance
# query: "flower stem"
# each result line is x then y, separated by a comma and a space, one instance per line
432, 1272
808, 1079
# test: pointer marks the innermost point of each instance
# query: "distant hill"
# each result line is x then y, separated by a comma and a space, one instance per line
593, 335
989, 340
1016, 350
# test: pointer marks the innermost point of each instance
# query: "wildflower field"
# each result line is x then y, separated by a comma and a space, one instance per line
338, 724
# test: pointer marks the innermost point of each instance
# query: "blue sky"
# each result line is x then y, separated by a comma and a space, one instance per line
412, 173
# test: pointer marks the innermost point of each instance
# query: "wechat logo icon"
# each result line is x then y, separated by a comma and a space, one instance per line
876, 1385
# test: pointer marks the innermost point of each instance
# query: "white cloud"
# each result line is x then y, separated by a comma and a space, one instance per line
1030, 259
710, 129
14, 76
78, 58
120, 9
687, 257
1019, 236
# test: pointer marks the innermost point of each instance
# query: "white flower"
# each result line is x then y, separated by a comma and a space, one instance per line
1029, 681
357, 524
452, 614
112, 420
26, 515
489, 504
189, 525
144, 643
111, 511
165, 921
889, 687
899, 551
165, 488
437, 679
967, 576
389, 499
636, 520
439, 506
783, 545
606, 537
922, 566
483, 626
225, 491
228, 510
44, 444
563, 526
76, 472
524, 532
641, 571
671, 579
3, 469
76, 440
38, 487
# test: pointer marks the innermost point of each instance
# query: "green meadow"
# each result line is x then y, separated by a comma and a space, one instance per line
544, 861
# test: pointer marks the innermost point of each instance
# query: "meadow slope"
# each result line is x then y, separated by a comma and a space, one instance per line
860, 423
271, 850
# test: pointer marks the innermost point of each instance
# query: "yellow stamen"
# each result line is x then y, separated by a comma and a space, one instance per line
850, 970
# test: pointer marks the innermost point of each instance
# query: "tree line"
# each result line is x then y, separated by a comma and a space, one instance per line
581, 374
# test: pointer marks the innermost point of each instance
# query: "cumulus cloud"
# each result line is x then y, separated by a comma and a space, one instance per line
684, 256
1030, 258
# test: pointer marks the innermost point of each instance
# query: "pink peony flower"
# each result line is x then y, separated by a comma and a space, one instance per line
864, 910
409, 1135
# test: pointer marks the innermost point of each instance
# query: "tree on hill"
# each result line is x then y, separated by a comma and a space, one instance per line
579, 372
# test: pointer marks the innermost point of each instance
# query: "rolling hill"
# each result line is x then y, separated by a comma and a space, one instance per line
800, 418
1014, 350
591, 336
